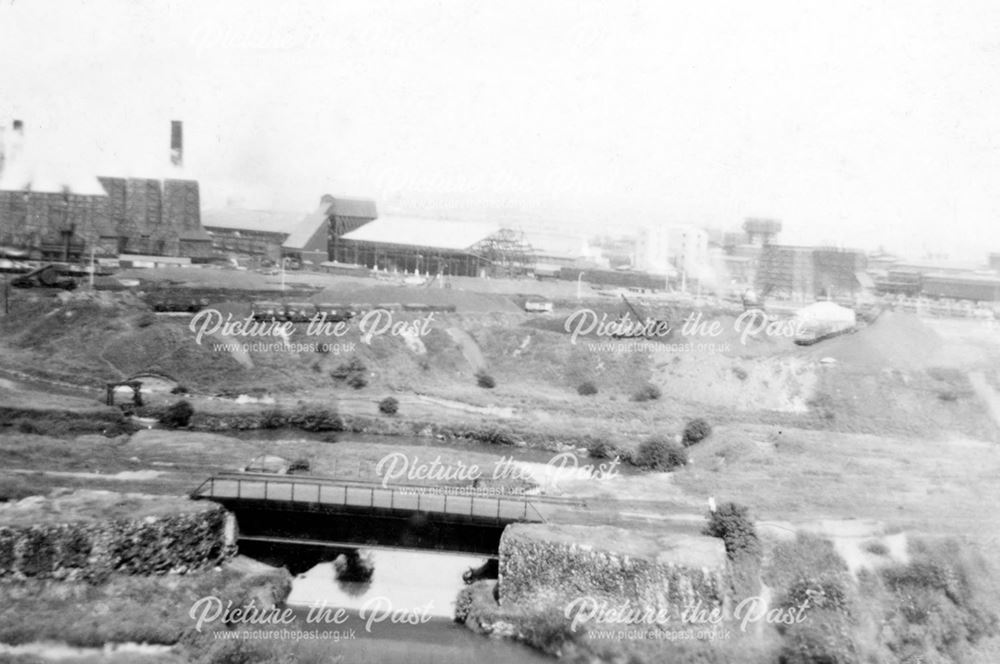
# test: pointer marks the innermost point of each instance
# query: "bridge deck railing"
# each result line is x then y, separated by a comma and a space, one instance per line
454, 500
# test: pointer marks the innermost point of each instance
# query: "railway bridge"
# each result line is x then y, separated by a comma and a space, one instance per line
305, 512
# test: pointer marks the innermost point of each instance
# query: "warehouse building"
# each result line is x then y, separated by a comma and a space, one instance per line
436, 246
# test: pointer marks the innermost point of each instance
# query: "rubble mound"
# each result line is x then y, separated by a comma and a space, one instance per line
897, 340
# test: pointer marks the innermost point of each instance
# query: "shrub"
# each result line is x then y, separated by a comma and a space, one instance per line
696, 431
177, 415
586, 389
825, 638
353, 567
808, 556
180, 389
733, 524
389, 406
826, 592
647, 392
76, 548
353, 372
345, 370
876, 548
602, 449
463, 604
39, 554
299, 466
493, 435
939, 607
272, 418
475, 600
485, 380
740, 373
315, 419
28, 426
550, 632
660, 454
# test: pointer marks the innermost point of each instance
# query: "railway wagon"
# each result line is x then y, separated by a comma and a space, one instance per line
268, 310
336, 312
976, 288
301, 312
179, 304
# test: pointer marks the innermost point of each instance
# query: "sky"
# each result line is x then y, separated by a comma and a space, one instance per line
858, 124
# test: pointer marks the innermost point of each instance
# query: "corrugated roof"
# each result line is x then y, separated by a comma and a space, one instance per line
311, 233
260, 221
353, 207
419, 232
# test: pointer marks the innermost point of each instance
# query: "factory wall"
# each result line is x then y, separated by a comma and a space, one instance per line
141, 216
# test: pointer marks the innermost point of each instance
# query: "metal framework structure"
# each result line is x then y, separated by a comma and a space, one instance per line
507, 252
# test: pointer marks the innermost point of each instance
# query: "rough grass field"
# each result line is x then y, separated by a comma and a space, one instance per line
872, 441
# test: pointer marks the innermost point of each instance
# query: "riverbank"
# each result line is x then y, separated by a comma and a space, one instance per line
933, 599
90, 535
131, 609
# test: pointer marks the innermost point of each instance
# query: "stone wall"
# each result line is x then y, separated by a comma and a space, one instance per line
91, 549
551, 565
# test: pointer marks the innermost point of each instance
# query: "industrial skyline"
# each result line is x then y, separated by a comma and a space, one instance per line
855, 123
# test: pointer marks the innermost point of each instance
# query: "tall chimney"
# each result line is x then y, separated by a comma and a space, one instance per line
14, 144
176, 143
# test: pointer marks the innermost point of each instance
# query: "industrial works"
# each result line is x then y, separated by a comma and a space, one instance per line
134, 221
477, 440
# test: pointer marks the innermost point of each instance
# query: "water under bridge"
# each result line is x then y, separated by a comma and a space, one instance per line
305, 512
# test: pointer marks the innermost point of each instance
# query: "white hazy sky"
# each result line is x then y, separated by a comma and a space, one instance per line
856, 123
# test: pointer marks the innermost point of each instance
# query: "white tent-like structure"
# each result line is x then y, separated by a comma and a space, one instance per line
824, 318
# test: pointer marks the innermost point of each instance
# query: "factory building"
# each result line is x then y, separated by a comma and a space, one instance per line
47, 219
436, 246
806, 273
688, 251
271, 235
652, 250
942, 280
679, 251
256, 234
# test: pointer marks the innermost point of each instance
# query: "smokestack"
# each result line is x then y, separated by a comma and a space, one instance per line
12, 145
176, 143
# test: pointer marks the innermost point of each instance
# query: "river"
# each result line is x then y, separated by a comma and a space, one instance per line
407, 586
